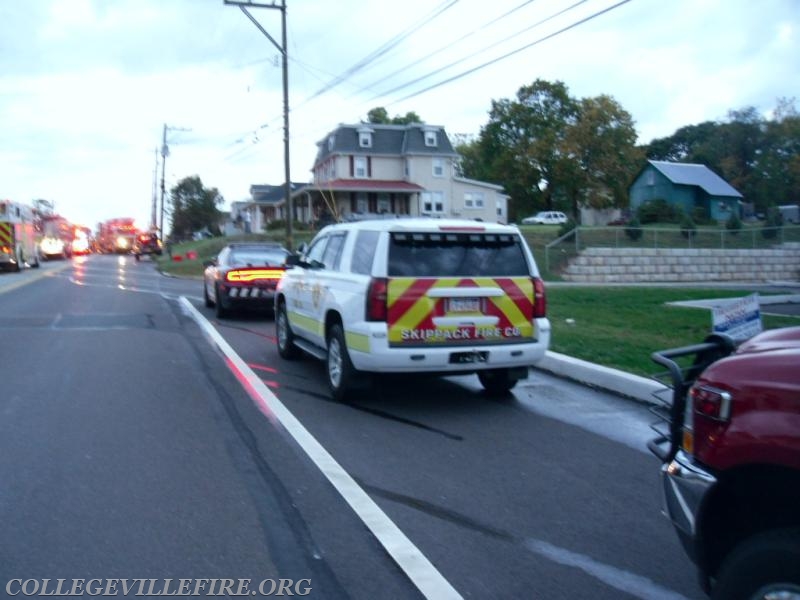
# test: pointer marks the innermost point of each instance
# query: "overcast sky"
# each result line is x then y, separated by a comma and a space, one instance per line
86, 86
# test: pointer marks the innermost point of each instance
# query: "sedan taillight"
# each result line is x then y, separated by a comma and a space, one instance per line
251, 275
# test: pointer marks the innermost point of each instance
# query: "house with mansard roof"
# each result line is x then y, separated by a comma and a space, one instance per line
367, 170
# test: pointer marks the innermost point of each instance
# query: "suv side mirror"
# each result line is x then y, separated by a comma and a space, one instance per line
292, 260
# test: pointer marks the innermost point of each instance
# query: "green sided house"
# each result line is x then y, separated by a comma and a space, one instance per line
687, 186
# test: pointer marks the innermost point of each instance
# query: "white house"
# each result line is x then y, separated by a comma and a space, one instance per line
366, 170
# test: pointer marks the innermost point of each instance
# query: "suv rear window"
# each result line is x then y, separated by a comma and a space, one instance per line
456, 255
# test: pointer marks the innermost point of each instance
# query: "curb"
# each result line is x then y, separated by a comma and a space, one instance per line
638, 388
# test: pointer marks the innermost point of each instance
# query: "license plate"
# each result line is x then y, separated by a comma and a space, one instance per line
464, 305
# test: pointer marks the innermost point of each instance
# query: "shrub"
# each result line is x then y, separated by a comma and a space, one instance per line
634, 229
700, 215
772, 224
734, 223
688, 227
280, 225
657, 211
567, 227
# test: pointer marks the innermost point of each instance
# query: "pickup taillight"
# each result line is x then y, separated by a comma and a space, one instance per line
376, 299
539, 299
711, 402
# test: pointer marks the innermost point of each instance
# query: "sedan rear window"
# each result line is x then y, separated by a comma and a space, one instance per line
257, 258
456, 255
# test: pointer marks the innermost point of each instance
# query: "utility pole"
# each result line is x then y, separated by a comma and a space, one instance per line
164, 155
283, 49
154, 207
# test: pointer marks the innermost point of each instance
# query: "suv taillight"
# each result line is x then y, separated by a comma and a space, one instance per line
539, 299
376, 300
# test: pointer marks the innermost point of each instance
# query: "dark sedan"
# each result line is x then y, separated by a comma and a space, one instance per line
243, 276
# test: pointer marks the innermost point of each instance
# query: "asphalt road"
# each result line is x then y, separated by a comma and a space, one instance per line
129, 448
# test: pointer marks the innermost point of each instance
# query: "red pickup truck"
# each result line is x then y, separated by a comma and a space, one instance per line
730, 448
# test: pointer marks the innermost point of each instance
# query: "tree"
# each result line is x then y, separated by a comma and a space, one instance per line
549, 150
602, 142
759, 157
194, 207
380, 116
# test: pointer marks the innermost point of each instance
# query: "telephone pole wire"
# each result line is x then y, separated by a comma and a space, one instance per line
283, 49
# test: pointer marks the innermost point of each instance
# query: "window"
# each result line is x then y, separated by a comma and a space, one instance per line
362, 202
315, 252
430, 138
360, 167
651, 177
456, 255
438, 167
333, 252
384, 203
407, 168
331, 142
432, 203
364, 252
473, 199
365, 139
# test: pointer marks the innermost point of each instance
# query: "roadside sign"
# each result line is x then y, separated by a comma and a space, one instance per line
740, 319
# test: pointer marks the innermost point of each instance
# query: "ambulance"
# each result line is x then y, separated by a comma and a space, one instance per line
415, 296
18, 247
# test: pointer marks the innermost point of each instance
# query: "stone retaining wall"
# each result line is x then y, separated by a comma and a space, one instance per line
633, 265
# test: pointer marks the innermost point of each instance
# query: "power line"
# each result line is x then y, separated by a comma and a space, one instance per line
513, 52
386, 47
481, 51
449, 45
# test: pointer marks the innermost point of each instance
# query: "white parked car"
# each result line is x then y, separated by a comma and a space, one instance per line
437, 296
547, 217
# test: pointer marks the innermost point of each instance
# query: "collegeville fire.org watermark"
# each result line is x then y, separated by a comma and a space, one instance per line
158, 587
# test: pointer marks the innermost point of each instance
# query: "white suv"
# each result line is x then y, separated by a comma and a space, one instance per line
415, 296
547, 217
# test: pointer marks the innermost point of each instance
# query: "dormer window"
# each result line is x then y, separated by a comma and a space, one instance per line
365, 136
430, 139
331, 142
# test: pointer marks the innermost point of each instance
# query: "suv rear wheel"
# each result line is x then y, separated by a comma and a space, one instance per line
496, 382
341, 372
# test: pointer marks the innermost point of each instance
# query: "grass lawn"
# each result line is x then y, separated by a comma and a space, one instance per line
619, 327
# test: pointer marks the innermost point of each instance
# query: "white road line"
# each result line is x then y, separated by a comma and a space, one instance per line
414, 563
625, 581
